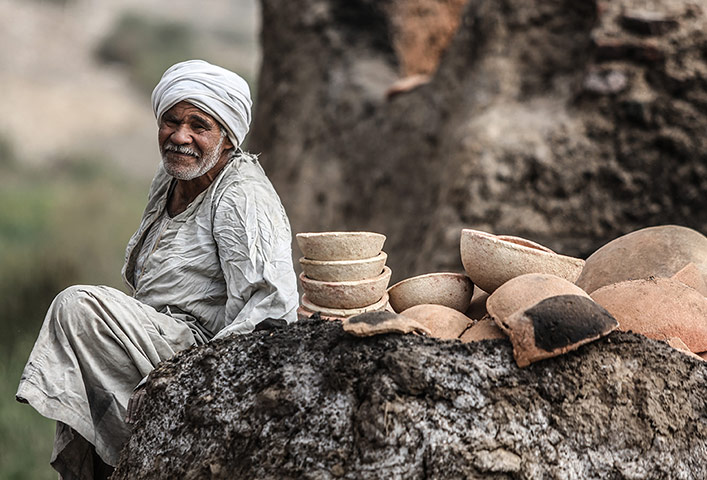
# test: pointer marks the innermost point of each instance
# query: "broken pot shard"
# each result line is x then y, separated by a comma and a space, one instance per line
678, 344
659, 308
555, 326
376, 323
484, 329
525, 291
691, 276
444, 322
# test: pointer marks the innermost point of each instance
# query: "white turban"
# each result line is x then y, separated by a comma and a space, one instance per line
215, 90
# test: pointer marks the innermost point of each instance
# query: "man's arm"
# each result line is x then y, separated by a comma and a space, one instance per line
253, 237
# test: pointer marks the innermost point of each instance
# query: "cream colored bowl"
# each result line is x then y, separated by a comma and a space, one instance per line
343, 270
356, 294
340, 245
452, 290
490, 260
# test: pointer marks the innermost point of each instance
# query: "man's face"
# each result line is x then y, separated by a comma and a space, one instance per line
191, 141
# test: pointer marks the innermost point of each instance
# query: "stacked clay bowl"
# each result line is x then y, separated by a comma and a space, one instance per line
343, 273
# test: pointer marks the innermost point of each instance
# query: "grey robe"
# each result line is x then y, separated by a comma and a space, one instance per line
220, 267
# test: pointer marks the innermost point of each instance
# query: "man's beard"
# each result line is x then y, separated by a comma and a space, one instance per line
190, 171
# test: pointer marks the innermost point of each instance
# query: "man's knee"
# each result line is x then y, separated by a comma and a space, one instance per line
73, 306
73, 294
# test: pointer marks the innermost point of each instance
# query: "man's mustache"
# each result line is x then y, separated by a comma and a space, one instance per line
171, 147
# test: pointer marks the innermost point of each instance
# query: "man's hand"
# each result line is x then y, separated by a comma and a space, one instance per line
135, 402
271, 324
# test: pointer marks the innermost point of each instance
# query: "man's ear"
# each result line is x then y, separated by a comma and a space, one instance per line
227, 144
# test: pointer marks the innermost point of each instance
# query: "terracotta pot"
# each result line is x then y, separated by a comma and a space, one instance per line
452, 290
346, 295
525, 291
659, 308
340, 245
343, 270
651, 252
491, 260
443, 322
344, 312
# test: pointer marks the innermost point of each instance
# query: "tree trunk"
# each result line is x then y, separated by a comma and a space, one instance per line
568, 122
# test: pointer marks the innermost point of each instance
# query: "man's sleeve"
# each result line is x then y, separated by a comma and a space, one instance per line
254, 240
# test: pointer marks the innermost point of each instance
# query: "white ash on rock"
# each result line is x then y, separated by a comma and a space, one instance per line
312, 401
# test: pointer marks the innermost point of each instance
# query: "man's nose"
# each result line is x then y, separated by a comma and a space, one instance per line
181, 135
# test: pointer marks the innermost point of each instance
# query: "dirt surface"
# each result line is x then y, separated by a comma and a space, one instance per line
569, 123
310, 401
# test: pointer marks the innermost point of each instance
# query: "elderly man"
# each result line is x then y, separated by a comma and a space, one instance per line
211, 257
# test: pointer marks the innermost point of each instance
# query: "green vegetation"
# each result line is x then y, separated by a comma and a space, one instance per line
59, 226
147, 47
25, 437
59, 3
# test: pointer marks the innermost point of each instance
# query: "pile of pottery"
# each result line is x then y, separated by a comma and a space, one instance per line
652, 281
343, 273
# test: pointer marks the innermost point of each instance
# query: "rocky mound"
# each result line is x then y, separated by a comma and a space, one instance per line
569, 123
310, 401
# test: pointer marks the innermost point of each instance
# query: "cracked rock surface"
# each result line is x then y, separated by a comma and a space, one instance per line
311, 401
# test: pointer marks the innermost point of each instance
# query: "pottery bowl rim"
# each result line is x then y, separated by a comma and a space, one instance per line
521, 244
342, 263
343, 312
387, 272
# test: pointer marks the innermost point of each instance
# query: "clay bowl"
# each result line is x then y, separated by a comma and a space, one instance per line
344, 312
340, 245
356, 294
452, 290
523, 292
443, 322
659, 308
477, 307
650, 252
343, 270
491, 260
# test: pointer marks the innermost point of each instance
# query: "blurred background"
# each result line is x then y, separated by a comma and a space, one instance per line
77, 152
